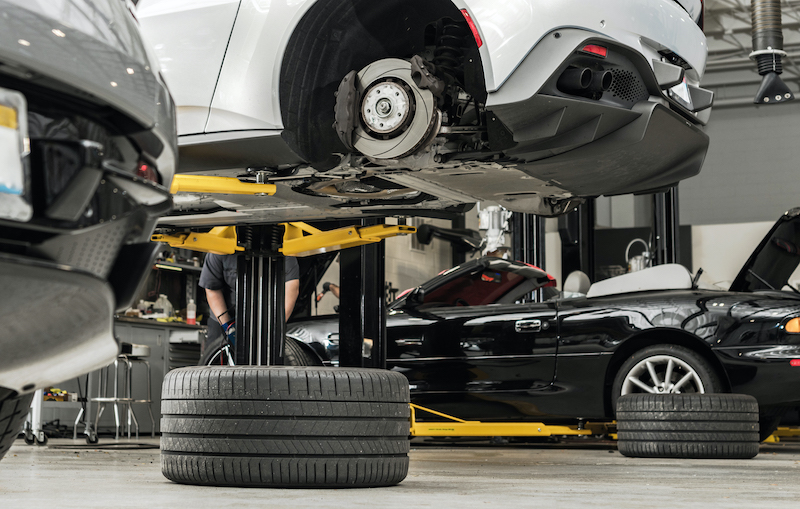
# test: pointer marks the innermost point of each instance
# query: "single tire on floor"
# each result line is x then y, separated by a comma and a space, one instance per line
13, 410
687, 426
280, 426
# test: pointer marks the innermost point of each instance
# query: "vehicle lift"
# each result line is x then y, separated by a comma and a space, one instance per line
362, 308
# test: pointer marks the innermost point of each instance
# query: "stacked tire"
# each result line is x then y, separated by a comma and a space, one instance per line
688, 426
282, 426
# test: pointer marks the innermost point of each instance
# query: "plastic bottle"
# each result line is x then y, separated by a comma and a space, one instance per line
164, 305
191, 313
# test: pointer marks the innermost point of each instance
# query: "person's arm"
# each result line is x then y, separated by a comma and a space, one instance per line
292, 290
216, 302
334, 290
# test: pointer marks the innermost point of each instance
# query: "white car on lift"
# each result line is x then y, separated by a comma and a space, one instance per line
358, 107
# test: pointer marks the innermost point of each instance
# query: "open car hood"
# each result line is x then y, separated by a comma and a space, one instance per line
776, 258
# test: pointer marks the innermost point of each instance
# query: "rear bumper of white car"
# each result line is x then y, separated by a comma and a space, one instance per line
636, 136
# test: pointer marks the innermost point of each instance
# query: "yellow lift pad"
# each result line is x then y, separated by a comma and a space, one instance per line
220, 240
300, 239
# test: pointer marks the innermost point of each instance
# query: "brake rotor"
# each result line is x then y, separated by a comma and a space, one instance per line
396, 118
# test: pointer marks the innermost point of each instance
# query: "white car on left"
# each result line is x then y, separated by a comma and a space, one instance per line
87, 153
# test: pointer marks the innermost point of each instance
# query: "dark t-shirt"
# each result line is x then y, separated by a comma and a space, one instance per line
219, 273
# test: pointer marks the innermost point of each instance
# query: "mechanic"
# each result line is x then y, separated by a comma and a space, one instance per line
218, 277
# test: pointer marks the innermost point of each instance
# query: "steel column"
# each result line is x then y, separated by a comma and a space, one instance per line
260, 295
666, 244
577, 240
527, 242
362, 308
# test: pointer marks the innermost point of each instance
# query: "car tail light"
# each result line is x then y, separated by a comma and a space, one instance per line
595, 50
793, 326
794, 363
148, 172
472, 27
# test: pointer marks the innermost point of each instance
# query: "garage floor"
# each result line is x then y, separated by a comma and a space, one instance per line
571, 474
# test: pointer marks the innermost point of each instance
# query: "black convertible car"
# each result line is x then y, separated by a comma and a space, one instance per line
470, 348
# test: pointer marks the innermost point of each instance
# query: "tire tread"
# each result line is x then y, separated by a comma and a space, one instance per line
687, 425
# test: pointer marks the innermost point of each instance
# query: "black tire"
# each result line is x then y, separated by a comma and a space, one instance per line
687, 426
284, 426
295, 354
13, 410
768, 421
708, 381
293, 351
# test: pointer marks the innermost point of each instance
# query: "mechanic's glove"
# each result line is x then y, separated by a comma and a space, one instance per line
326, 287
230, 331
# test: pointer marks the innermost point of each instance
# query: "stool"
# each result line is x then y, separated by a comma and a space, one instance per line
131, 355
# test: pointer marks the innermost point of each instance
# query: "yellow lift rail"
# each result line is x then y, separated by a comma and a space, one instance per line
220, 240
300, 239
218, 185
455, 427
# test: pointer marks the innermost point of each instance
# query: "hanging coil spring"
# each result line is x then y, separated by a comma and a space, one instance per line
449, 52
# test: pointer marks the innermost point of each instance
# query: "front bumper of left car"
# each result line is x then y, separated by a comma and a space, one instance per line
87, 154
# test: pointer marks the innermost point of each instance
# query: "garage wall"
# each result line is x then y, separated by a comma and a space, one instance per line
721, 250
752, 171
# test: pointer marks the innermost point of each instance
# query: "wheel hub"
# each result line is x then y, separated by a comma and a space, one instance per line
386, 108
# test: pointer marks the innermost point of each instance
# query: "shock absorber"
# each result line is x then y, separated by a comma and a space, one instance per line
448, 56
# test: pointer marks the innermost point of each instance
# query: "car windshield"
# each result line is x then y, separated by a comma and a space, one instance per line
776, 264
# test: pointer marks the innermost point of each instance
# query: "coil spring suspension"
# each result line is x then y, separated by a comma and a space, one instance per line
448, 56
245, 237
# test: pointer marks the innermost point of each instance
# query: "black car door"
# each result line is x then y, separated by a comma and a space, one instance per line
478, 362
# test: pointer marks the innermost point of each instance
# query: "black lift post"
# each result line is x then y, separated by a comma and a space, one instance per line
666, 245
527, 242
362, 306
260, 320
577, 240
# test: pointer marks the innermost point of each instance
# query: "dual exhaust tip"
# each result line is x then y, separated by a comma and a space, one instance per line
579, 80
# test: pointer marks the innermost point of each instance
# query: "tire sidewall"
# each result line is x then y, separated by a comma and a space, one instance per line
707, 374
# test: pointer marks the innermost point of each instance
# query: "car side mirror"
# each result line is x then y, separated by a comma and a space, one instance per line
415, 298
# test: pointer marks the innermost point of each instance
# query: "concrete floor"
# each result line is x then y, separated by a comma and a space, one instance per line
569, 474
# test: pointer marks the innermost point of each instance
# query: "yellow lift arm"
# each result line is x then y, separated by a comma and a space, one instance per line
220, 240
455, 427
300, 239
182, 183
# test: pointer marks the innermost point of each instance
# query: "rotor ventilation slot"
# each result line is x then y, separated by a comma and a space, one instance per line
627, 86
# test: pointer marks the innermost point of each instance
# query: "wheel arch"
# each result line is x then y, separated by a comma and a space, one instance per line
661, 336
346, 36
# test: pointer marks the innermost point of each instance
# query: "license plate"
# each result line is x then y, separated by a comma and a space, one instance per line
15, 200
